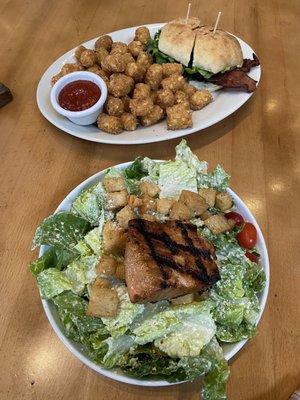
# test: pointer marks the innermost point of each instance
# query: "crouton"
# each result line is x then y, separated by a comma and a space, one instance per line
124, 216
193, 201
114, 184
116, 200
134, 201
218, 224
148, 204
102, 282
209, 195
120, 272
223, 201
205, 215
186, 299
107, 265
103, 302
149, 188
180, 211
114, 238
163, 206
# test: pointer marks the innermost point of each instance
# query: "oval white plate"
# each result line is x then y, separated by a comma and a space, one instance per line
225, 103
229, 349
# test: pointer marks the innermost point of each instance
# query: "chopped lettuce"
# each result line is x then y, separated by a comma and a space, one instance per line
184, 153
118, 348
196, 330
52, 282
47, 260
89, 204
79, 273
217, 179
93, 239
63, 230
174, 176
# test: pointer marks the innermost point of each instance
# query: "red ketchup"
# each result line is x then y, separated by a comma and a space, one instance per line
79, 95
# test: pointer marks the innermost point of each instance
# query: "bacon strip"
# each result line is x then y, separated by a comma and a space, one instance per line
234, 79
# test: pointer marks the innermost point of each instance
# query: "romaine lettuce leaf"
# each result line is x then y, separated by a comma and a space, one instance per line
94, 239
217, 179
197, 70
174, 176
230, 334
52, 282
117, 353
184, 153
89, 204
63, 230
47, 260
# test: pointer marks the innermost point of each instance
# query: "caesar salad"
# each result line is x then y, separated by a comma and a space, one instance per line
153, 269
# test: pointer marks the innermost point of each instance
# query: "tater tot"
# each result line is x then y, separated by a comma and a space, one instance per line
188, 89
127, 58
120, 84
145, 59
200, 99
68, 68
182, 98
171, 69
126, 100
78, 52
55, 78
164, 98
141, 91
129, 122
101, 53
119, 47
114, 106
87, 58
142, 34
135, 71
104, 41
136, 47
97, 70
113, 63
153, 95
109, 123
154, 76
173, 82
179, 117
140, 107
155, 115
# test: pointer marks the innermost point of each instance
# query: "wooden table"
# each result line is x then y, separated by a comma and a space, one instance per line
40, 165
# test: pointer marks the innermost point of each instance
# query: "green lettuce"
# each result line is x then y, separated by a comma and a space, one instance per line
197, 70
63, 230
80, 272
89, 204
184, 153
217, 179
159, 56
47, 260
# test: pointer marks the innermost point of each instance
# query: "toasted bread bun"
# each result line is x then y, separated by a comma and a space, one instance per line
218, 52
177, 39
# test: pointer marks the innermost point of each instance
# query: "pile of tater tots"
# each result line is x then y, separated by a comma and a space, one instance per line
140, 92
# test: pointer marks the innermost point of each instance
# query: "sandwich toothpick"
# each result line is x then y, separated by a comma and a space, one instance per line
188, 13
217, 22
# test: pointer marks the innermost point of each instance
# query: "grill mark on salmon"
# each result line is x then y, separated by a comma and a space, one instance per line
165, 260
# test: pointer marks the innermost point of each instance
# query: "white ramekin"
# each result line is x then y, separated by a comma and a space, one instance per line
85, 117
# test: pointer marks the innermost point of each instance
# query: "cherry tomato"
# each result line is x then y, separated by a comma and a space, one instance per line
248, 236
238, 219
252, 257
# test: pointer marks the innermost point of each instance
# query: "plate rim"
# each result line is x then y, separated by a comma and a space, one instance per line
142, 140
112, 374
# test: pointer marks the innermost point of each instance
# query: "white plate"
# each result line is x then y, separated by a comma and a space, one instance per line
225, 103
229, 349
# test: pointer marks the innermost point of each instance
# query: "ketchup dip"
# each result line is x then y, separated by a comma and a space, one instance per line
79, 95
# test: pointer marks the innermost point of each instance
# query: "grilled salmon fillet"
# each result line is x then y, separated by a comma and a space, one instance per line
166, 260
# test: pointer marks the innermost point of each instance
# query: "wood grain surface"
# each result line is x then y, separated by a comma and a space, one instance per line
39, 165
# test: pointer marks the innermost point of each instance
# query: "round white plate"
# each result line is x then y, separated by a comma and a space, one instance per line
75, 348
225, 103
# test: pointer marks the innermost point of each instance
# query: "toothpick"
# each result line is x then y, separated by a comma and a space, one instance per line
217, 22
188, 13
